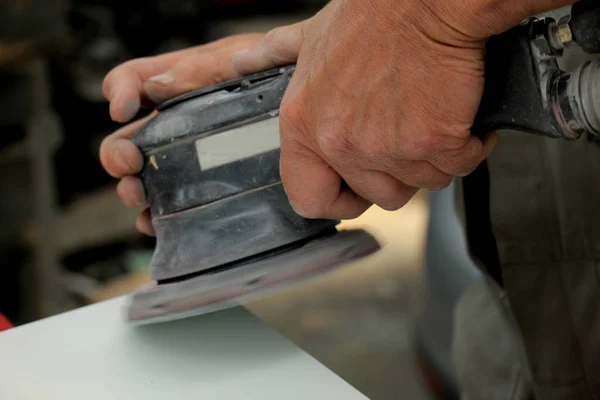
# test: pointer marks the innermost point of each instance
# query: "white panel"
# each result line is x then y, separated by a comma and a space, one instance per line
91, 354
238, 144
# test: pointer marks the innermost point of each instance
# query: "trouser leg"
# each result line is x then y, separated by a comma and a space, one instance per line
484, 352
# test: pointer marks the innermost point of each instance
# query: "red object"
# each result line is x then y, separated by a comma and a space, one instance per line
4, 323
432, 381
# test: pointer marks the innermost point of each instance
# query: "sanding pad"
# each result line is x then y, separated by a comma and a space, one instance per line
237, 284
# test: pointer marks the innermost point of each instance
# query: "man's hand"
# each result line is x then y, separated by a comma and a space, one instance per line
383, 98
149, 81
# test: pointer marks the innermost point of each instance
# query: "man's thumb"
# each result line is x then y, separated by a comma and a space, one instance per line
280, 46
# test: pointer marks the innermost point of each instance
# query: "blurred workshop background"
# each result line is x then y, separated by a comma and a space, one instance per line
66, 240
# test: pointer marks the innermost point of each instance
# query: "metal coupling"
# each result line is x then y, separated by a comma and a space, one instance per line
575, 101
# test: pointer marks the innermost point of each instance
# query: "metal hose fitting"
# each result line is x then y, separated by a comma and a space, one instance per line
575, 100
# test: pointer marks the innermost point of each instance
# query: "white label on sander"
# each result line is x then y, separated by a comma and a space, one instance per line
238, 144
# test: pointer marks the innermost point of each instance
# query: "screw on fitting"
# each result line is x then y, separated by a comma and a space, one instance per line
560, 33
575, 101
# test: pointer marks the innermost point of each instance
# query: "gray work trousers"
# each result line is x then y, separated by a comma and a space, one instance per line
539, 336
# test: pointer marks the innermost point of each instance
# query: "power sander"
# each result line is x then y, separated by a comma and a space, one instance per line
225, 230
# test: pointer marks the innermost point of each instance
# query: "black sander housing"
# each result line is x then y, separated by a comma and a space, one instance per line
225, 229
212, 178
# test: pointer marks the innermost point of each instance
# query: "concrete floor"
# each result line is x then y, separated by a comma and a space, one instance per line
358, 321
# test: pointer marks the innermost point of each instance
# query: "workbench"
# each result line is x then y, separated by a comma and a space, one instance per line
91, 354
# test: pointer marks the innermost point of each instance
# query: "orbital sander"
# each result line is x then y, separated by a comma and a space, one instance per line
225, 230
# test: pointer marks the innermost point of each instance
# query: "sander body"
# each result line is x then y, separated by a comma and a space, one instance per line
224, 227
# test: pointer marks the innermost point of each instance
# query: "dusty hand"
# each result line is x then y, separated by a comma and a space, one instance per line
148, 81
383, 98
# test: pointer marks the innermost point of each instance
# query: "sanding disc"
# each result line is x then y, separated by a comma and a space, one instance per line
238, 284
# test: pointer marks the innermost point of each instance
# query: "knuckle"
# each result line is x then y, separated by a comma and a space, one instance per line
306, 207
293, 120
428, 178
301, 202
119, 70
464, 170
274, 39
441, 184
425, 145
312, 212
332, 140
459, 165
187, 71
394, 203
291, 111
375, 148
238, 39
332, 144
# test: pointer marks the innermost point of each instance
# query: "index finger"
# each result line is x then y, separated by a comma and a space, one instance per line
122, 86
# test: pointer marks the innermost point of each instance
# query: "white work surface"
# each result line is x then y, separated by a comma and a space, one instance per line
91, 354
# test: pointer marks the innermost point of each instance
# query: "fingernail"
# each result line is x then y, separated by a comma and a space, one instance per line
120, 160
131, 109
154, 87
164, 79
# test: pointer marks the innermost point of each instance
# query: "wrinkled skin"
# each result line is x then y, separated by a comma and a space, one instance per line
389, 122
383, 98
